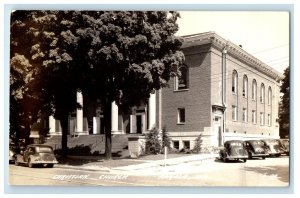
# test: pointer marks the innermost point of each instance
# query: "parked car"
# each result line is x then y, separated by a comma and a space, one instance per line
273, 147
256, 148
285, 143
233, 150
35, 154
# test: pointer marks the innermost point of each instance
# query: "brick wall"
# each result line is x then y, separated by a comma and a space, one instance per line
195, 100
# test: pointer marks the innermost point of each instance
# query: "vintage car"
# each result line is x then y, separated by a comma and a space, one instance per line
36, 154
256, 148
285, 144
273, 147
233, 150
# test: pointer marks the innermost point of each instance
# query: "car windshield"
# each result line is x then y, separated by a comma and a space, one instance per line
272, 142
43, 150
257, 143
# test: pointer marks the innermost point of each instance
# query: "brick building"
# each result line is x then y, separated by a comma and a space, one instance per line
223, 93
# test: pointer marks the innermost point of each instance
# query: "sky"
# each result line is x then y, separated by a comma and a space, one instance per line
264, 34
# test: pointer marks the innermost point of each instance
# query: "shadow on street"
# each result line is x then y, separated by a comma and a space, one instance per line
281, 171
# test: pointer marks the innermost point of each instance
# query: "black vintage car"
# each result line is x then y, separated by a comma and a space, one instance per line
234, 150
273, 147
256, 148
35, 154
285, 143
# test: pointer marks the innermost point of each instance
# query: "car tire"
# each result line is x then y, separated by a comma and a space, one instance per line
50, 165
30, 165
263, 158
244, 160
17, 163
250, 155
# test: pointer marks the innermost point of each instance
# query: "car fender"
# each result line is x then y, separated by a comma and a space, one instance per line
19, 158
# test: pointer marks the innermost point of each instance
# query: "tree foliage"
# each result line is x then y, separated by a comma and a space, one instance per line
284, 110
107, 55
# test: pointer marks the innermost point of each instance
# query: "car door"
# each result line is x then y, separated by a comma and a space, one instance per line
29, 151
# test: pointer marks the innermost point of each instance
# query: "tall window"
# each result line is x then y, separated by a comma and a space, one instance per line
261, 118
254, 88
234, 81
253, 116
262, 93
245, 86
269, 96
181, 115
245, 119
234, 113
269, 119
181, 81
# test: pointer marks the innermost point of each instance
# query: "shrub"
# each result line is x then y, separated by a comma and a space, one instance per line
153, 143
198, 144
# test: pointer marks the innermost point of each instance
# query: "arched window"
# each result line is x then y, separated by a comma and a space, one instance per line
234, 81
182, 79
245, 86
269, 96
262, 93
254, 90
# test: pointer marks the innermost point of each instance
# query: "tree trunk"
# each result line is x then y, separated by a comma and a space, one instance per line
64, 138
107, 128
27, 134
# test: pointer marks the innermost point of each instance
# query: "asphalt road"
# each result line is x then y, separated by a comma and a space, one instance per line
258, 172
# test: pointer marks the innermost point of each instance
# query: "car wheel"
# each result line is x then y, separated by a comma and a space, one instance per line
263, 158
17, 163
245, 160
250, 155
50, 165
30, 165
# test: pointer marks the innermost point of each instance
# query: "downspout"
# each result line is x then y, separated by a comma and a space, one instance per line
224, 53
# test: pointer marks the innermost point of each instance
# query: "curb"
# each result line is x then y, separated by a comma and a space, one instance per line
103, 169
168, 162
151, 164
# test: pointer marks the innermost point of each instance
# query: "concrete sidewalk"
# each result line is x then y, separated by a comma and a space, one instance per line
139, 164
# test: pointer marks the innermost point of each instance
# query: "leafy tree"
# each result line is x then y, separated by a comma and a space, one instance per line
130, 54
42, 42
109, 56
284, 110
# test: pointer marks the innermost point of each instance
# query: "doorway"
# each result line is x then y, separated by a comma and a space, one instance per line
139, 124
218, 129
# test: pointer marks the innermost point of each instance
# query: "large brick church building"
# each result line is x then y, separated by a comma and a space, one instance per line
223, 93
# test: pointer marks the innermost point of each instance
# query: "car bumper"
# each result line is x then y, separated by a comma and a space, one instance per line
237, 157
259, 155
45, 162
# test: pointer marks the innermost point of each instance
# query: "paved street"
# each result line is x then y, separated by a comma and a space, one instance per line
269, 172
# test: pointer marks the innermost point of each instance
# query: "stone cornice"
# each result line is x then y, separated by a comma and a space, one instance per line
232, 49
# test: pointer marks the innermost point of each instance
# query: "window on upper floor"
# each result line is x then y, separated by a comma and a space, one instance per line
234, 81
254, 90
262, 93
262, 118
245, 117
181, 81
234, 113
253, 116
269, 96
245, 86
181, 115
